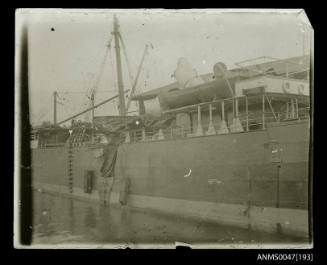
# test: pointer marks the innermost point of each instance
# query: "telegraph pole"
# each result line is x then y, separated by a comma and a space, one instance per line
55, 108
122, 109
92, 102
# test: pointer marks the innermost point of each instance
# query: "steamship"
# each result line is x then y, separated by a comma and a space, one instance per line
229, 147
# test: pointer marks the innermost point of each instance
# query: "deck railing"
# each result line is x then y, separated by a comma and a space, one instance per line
89, 144
243, 121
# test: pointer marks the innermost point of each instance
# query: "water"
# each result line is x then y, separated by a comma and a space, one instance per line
61, 220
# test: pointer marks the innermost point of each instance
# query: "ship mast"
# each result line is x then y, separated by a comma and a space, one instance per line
122, 109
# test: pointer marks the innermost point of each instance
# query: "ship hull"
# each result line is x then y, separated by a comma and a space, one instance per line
256, 180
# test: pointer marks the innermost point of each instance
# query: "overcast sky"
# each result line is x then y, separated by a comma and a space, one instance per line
68, 58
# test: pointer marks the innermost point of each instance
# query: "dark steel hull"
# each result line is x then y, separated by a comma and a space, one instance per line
237, 178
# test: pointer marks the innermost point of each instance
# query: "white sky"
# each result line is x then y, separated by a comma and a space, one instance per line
69, 58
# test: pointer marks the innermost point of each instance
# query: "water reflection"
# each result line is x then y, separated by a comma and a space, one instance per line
60, 220
71, 215
90, 219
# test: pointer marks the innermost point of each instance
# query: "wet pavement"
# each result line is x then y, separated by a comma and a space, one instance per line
62, 220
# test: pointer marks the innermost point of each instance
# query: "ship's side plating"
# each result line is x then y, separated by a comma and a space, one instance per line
255, 179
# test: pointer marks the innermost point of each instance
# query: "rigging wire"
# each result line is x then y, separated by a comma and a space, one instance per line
93, 90
92, 61
67, 104
102, 65
92, 86
64, 101
62, 96
137, 76
83, 92
45, 113
131, 78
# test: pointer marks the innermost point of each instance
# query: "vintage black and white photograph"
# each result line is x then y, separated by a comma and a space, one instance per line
155, 128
